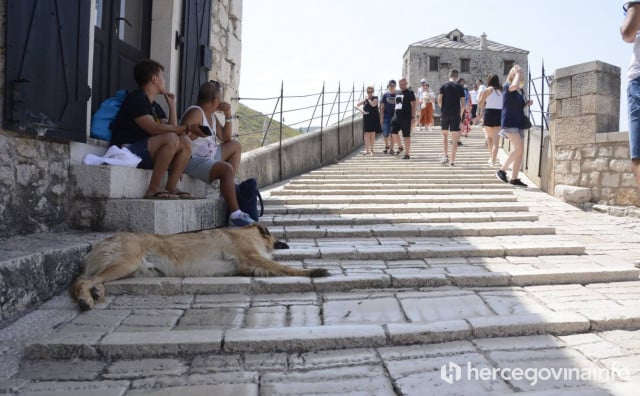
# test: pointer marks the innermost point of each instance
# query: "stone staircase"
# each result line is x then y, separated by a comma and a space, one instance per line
429, 265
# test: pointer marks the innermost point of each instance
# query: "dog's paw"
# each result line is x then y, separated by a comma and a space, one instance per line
318, 273
98, 291
85, 305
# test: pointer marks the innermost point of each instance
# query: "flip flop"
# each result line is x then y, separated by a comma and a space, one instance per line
183, 195
161, 195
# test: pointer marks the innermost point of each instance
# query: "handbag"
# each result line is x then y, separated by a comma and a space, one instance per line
248, 196
526, 122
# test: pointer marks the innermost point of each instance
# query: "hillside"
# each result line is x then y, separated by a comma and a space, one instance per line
251, 125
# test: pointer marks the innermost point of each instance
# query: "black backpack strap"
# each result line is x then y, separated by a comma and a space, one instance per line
261, 204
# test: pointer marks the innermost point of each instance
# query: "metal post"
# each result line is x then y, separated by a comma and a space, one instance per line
321, 122
338, 130
544, 80
281, 121
265, 133
353, 117
526, 161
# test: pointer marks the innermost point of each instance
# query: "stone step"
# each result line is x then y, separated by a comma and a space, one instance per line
428, 247
390, 208
134, 327
160, 216
35, 267
319, 198
393, 218
412, 230
372, 190
353, 276
105, 181
365, 184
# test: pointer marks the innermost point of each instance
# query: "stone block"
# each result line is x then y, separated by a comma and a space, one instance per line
622, 152
610, 179
627, 196
567, 179
605, 151
573, 194
563, 154
222, 389
586, 67
529, 324
431, 333
597, 164
576, 130
561, 90
56, 370
75, 388
374, 310
628, 180
135, 345
130, 369
571, 107
235, 9
589, 151
620, 165
301, 339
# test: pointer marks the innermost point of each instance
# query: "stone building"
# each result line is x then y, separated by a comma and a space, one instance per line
60, 60
474, 57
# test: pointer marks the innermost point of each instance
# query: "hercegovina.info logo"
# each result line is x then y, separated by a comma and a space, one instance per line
452, 372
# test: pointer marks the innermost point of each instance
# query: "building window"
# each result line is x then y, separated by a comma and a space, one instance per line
508, 65
434, 62
465, 65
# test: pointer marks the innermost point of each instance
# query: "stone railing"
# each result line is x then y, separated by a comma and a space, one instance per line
300, 154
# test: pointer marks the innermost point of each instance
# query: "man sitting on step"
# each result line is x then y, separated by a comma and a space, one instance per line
143, 127
212, 161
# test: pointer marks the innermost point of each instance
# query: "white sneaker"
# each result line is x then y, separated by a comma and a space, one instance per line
490, 163
242, 220
497, 163
444, 159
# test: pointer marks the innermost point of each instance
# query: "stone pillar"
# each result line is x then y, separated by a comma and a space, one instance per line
587, 101
587, 150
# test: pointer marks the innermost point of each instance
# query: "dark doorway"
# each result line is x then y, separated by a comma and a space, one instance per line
122, 38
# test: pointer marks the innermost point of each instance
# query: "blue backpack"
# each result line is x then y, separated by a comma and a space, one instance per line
248, 195
102, 119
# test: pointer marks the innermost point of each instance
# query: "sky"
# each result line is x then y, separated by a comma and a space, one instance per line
305, 42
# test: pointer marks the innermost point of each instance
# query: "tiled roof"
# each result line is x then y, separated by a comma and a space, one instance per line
464, 42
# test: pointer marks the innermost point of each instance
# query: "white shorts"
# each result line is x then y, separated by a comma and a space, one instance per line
200, 167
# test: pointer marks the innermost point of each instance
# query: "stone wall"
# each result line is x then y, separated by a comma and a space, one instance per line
586, 152
226, 34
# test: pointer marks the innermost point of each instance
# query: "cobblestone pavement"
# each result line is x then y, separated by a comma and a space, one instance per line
511, 290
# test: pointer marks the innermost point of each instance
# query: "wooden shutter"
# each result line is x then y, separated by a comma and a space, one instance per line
46, 80
196, 52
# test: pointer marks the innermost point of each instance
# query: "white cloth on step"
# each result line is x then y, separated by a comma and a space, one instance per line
114, 156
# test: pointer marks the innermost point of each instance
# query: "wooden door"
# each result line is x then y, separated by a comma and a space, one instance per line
196, 54
122, 38
46, 78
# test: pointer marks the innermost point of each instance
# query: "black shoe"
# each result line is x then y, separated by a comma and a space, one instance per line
460, 143
502, 176
518, 183
406, 157
392, 152
386, 150
400, 149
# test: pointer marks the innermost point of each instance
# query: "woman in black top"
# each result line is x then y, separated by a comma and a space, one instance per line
371, 114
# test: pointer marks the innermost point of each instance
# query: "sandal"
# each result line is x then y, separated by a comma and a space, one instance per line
183, 195
161, 195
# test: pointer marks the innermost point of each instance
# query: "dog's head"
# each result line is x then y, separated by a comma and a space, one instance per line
271, 242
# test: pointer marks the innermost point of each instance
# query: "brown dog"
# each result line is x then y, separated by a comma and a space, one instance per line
242, 251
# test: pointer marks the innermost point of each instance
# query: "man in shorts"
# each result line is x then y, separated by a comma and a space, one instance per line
143, 127
451, 102
387, 109
404, 118
212, 161
629, 31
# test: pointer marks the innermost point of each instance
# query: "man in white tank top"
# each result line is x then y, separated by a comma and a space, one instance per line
630, 34
211, 161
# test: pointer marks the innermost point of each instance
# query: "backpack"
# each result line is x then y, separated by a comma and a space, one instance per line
248, 195
102, 119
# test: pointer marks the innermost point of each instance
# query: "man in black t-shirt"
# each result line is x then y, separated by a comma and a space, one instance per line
143, 127
451, 102
404, 118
